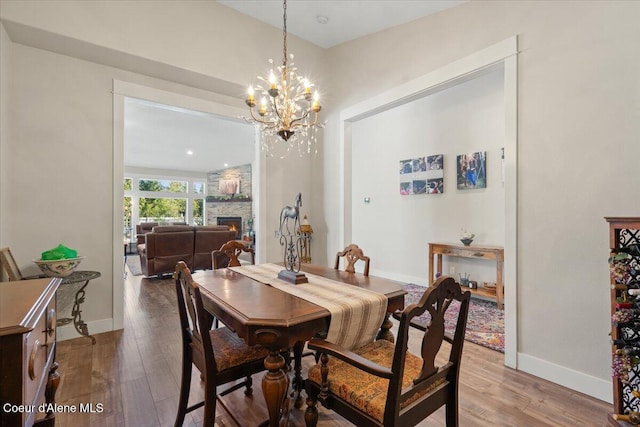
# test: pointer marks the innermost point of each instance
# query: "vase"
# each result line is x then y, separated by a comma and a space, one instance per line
466, 242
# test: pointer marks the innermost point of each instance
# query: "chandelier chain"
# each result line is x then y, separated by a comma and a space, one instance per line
284, 34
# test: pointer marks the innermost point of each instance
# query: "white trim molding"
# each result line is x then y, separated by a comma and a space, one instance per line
502, 54
122, 90
575, 380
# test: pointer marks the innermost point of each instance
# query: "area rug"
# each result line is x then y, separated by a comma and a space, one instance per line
485, 323
133, 262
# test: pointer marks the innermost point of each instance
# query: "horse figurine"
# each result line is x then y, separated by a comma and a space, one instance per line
289, 212
291, 242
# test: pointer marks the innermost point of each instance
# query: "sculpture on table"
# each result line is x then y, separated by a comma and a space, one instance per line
290, 239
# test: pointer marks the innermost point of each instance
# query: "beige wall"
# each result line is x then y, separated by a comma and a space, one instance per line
57, 178
577, 111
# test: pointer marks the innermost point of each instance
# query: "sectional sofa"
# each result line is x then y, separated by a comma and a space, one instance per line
165, 245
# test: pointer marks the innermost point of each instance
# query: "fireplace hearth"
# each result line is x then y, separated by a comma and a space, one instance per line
234, 223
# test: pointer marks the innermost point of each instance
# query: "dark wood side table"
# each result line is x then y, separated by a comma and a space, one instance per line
28, 371
78, 323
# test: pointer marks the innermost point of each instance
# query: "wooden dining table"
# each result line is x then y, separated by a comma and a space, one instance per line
261, 314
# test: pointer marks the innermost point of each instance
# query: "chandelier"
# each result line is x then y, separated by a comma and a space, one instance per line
288, 111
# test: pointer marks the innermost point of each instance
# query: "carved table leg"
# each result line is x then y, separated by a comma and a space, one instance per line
52, 385
298, 382
274, 387
311, 414
385, 333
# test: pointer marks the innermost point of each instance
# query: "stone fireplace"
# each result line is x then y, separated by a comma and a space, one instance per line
235, 209
234, 223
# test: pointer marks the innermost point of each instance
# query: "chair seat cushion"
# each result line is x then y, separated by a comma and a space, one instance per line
231, 350
367, 392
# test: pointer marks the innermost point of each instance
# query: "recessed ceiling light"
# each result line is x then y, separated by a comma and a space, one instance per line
226, 164
322, 19
189, 152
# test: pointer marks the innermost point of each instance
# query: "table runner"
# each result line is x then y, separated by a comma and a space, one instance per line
356, 313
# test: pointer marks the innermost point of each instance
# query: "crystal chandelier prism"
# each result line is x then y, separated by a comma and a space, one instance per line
288, 109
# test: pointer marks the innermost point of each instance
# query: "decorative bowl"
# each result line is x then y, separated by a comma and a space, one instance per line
58, 267
466, 242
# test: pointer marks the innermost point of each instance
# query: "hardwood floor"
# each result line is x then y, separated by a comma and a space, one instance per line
135, 374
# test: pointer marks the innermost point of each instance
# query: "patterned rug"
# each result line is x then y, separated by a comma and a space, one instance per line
485, 323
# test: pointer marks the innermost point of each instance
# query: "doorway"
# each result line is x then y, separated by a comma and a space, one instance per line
192, 156
500, 55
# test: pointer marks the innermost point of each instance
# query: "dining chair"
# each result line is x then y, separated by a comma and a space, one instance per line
229, 253
352, 254
228, 256
8, 262
382, 384
220, 355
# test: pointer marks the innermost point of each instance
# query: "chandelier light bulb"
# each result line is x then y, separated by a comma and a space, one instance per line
272, 80
263, 106
315, 105
251, 100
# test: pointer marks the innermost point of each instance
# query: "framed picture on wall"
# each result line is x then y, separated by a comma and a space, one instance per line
435, 186
420, 186
406, 188
422, 175
435, 163
471, 171
229, 186
406, 167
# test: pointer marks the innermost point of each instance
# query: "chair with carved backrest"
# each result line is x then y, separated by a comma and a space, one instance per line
352, 254
8, 262
382, 384
220, 355
229, 253
228, 256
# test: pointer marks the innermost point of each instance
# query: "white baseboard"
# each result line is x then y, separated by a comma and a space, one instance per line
578, 381
422, 281
68, 331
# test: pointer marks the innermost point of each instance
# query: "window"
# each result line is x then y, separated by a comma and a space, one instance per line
198, 187
127, 212
162, 209
198, 212
164, 199
162, 185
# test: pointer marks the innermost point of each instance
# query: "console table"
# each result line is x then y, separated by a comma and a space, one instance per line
479, 252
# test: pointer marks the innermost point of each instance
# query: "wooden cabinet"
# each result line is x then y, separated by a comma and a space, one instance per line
28, 374
624, 232
478, 252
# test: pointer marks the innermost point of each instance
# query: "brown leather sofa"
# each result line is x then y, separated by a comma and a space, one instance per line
208, 239
142, 229
165, 245
145, 227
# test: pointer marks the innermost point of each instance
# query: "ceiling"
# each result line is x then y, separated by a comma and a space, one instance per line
158, 136
347, 19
